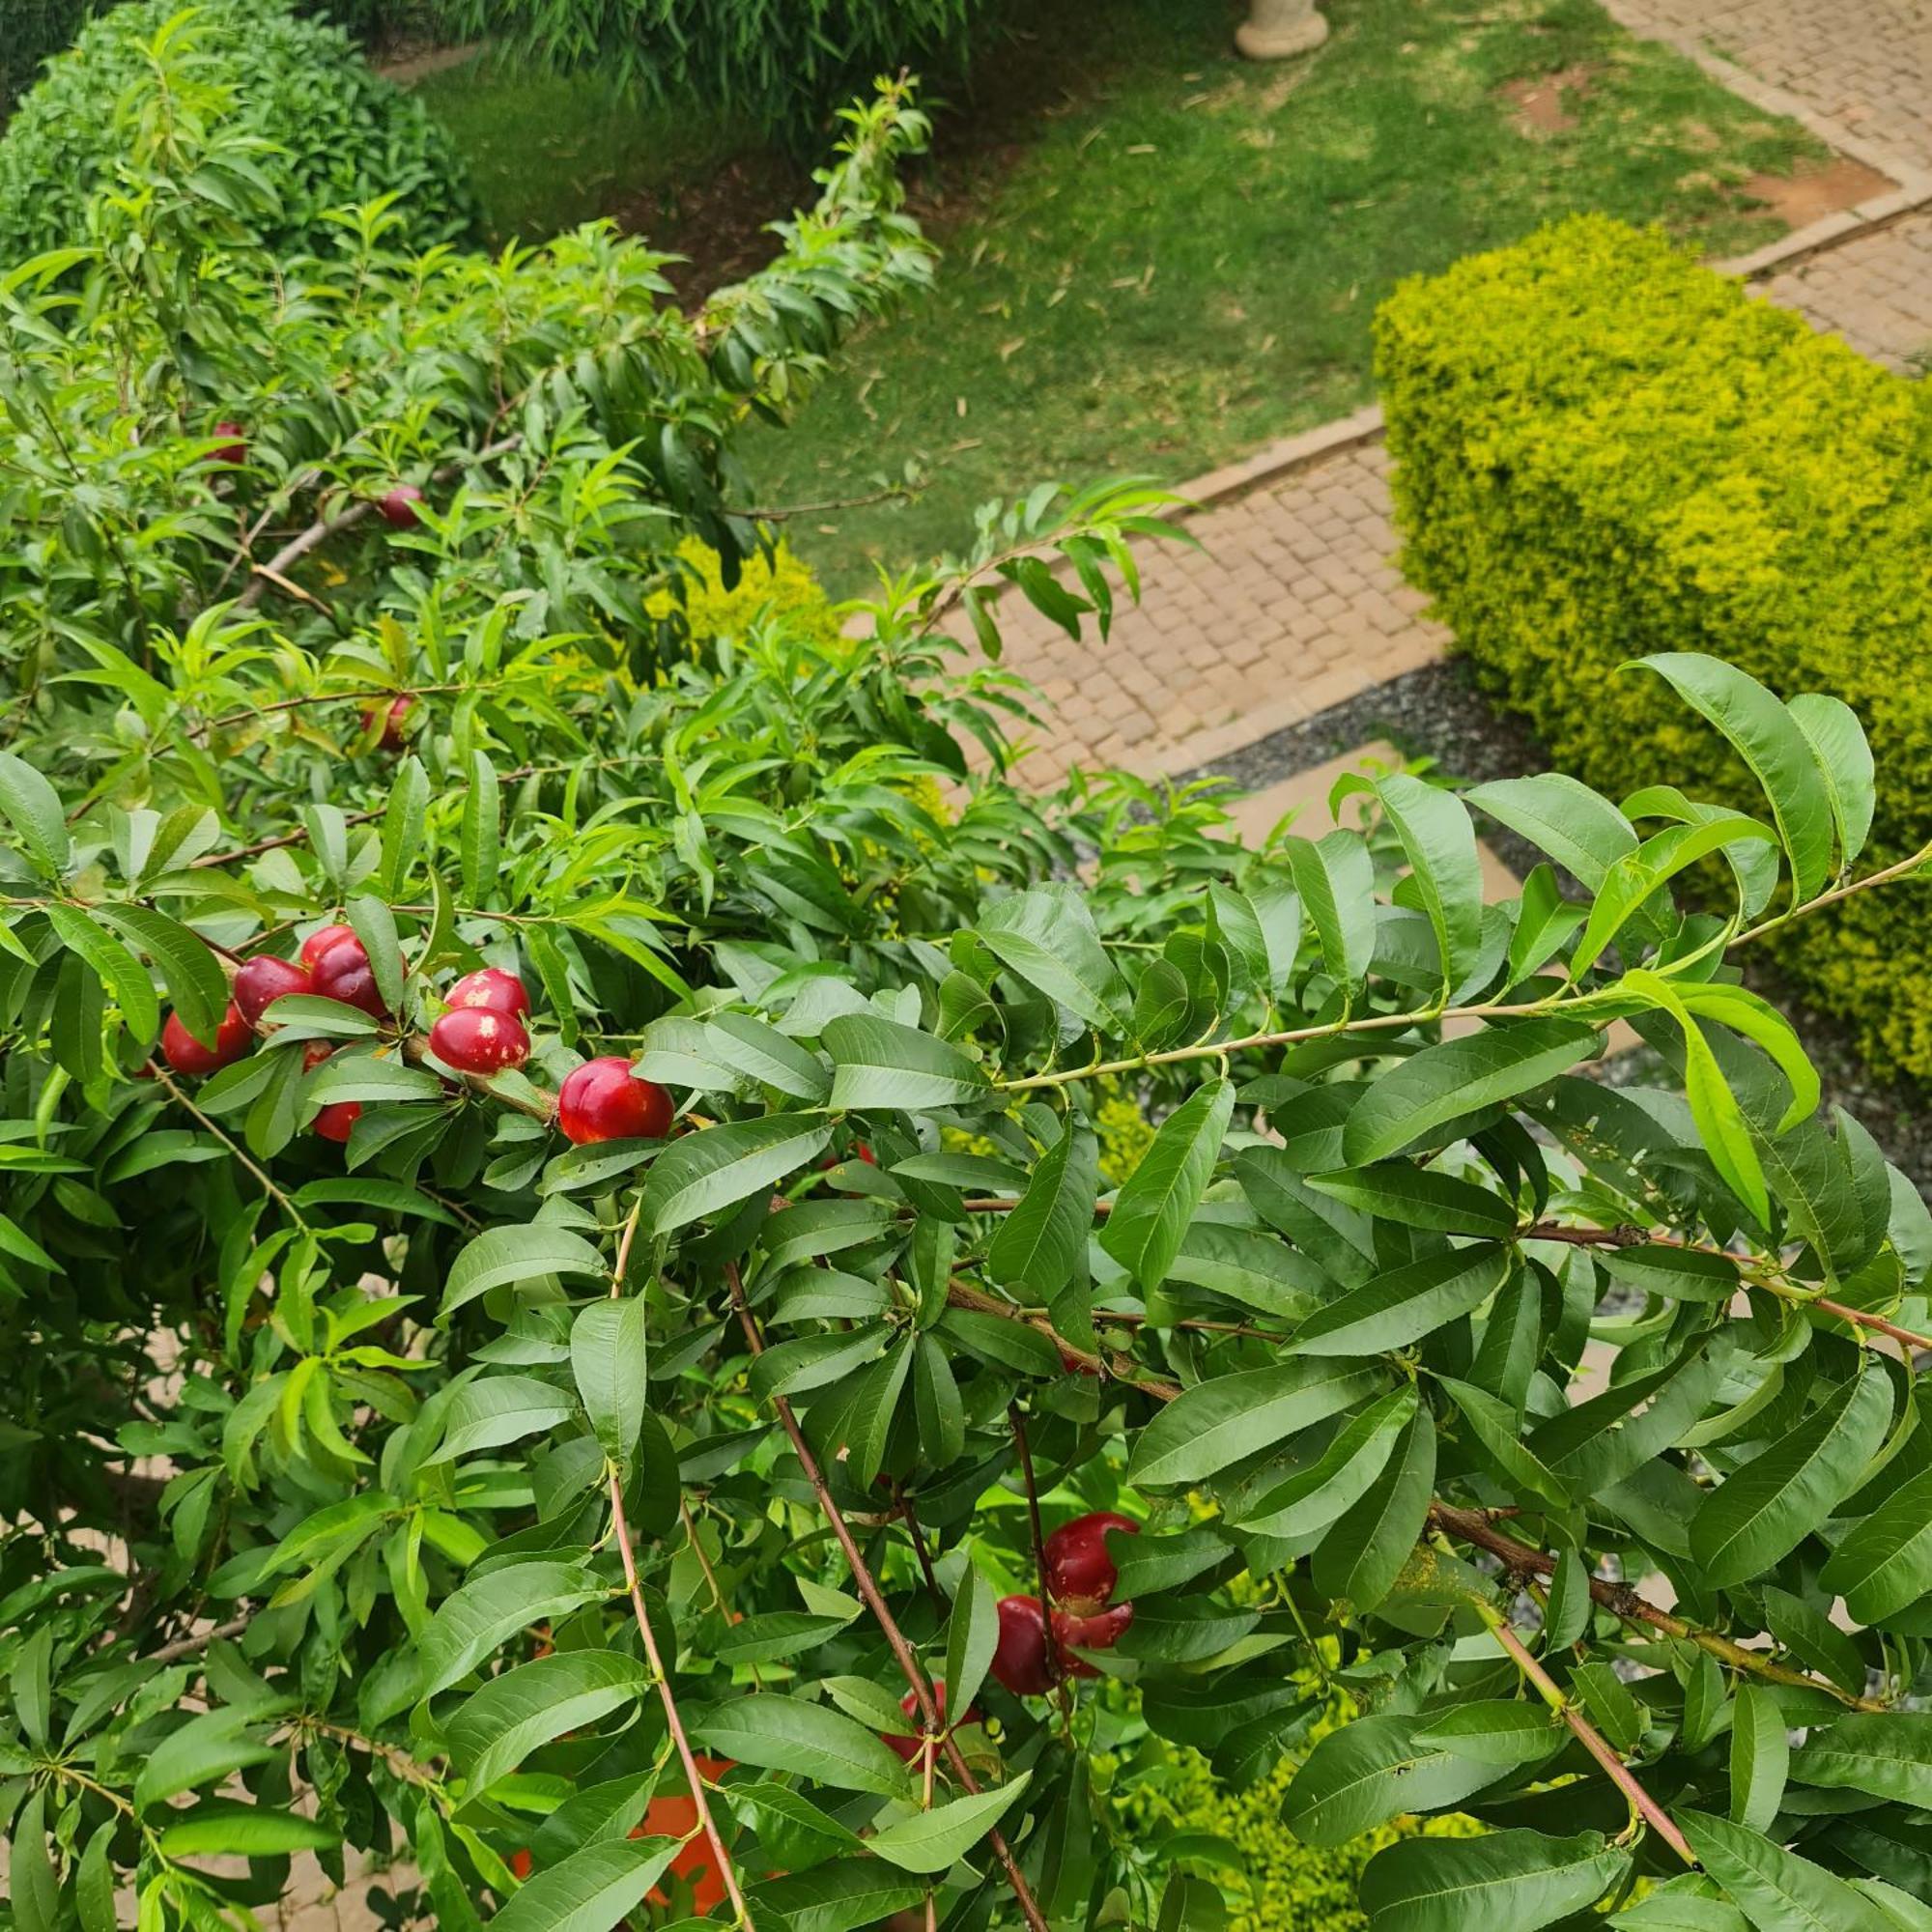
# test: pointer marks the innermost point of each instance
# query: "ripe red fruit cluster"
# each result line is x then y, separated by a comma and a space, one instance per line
234, 451
1080, 1577
910, 1748
600, 1101
264, 980
478, 1039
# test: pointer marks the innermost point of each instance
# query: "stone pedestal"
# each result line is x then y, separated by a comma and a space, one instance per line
1275, 29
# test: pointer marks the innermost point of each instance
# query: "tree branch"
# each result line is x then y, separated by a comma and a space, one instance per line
1473, 1526
862, 1576
1643, 1804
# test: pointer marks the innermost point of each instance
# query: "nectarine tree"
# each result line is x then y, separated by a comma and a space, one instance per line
608, 1379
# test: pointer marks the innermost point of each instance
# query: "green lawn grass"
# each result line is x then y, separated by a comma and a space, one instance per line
1184, 260
549, 152
1157, 256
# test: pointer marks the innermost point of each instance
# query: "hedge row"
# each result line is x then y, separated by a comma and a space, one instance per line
1603, 450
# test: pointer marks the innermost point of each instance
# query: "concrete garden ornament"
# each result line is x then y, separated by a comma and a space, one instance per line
1276, 29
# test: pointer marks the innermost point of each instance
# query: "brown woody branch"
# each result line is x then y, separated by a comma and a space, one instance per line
862, 1576
1643, 1804
1522, 1559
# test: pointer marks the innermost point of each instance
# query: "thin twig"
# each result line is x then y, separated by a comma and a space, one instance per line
1473, 1526
1643, 1804
903, 1503
621, 1525
1902, 869
862, 1576
1062, 1691
189, 1646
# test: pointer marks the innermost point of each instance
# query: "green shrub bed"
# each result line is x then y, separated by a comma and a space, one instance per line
1602, 450
331, 133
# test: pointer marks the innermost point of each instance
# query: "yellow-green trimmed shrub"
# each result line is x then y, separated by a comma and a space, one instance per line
782, 589
1602, 450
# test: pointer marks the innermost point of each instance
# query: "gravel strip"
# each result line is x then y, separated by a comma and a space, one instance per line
1437, 713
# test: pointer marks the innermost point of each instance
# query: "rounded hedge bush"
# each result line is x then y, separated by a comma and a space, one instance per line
331, 133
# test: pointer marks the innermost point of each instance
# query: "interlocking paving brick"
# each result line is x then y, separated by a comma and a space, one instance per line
1875, 291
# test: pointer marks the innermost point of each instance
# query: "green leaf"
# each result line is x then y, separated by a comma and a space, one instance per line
1367, 1772
703, 1172
1777, 1889
375, 925
763, 1054
403, 825
1406, 1303
1885, 1561
591, 1891
1047, 937
1313, 1497
779, 1733
481, 836
482, 1613
775, 1634
499, 1256
1497, 1430
1888, 1754
972, 1635
1760, 1758
29, 1682
371, 1079
1580, 829
1043, 1242
496, 1410
498, 1725
1336, 879
795, 1367
196, 983
877, 1062
1679, 1275
1151, 1211
1418, 1197
1763, 1511
219, 1826
1228, 1417
116, 969
608, 1358
934, 1840
1461, 1076
838, 1897
1844, 756
1358, 1560
36, 1891
32, 807
93, 1881
1494, 1730
1514, 1879
1634, 880
204, 1750
1439, 839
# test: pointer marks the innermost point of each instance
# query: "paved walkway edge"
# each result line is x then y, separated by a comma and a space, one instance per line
1290, 453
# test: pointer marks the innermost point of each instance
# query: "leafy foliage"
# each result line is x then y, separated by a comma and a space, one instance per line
310, 129
780, 64
1599, 441
615, 1527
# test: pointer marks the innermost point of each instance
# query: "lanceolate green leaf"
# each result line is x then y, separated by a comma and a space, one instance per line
1886, 1754
1406, 1304
1151, 1212
1440, 843
1768, 1507
1777, 1888
1369, 1770
932, 1841
1043, 1241
877, 1062
1844, 756
1345, 1473
1047, 937
1336, 880
1363, 1552
476, 1618
1771, 744
592, 1889
1462, 1076
510, 1715
1885, 1562
702, 1173
782, 1733
609, 1357
1228, 1417
501, 1256
1514, 1879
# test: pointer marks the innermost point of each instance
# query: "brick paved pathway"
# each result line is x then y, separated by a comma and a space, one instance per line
1864, 64
1875, 291
1292, 602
